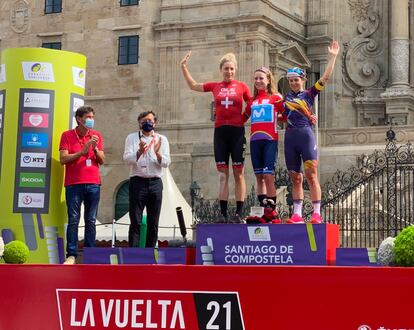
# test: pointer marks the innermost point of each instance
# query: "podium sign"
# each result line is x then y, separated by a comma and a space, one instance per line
234, 244
136, 256
356, 257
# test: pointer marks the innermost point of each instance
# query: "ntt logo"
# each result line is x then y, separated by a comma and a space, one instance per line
364, 327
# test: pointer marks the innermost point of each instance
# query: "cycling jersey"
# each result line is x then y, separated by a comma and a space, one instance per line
298, 106
263, 113
228, 101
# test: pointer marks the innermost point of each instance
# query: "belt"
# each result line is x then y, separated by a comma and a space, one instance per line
145, 179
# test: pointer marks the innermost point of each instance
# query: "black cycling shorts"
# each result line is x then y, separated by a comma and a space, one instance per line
229, 141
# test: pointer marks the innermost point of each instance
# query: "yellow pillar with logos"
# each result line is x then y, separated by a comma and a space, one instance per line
40, 90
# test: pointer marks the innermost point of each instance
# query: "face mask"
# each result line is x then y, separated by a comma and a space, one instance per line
147, 126
89, 123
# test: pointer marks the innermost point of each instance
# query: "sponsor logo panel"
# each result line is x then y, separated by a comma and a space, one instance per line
259, 233
32, 180
79, 77
35, 119
77, 102
38, 71
35, 140
35, 200
36, 100
2, 73
33, 159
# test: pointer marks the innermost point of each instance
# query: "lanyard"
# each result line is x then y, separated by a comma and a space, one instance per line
78, 138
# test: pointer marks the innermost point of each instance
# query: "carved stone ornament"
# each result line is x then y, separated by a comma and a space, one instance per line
359, 9
19, 16
360, 69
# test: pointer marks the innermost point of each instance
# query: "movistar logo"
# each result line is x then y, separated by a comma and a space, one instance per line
258, 114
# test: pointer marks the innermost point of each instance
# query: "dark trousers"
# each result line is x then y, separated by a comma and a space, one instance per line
144, 193
76, 194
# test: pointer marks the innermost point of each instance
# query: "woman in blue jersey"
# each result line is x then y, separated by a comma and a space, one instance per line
300, 142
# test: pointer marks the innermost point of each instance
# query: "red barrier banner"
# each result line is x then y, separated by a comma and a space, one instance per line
205, 297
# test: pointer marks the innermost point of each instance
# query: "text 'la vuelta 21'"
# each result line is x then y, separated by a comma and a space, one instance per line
146, 309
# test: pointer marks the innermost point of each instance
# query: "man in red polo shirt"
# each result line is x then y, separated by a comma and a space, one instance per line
81, 151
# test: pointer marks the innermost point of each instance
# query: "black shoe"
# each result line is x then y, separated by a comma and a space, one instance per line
235, 219
222, 219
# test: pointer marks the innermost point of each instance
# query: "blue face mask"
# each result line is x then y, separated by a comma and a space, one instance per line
147, 126
89, 123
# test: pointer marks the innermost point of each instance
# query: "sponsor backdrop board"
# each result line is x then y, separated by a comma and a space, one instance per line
55, 297
40, 85
281, 244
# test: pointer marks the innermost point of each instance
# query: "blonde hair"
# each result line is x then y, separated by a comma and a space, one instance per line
229, 57
271, 86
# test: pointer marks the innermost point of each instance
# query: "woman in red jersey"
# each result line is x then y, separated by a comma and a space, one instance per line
266, 107
229, 139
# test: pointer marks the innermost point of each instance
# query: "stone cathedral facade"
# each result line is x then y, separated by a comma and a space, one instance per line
372, 85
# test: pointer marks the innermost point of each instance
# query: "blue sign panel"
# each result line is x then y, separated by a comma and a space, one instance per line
276, 244
35, 140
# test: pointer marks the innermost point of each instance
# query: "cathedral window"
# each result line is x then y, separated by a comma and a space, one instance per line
52, 45
128, 47
124, 3
53, 6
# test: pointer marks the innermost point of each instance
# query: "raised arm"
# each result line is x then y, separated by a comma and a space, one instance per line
195, 86
333, 51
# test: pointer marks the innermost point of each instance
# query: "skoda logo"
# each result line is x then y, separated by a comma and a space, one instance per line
364, 327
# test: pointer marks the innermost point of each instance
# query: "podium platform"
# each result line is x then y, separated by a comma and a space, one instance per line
138, 256
262, 244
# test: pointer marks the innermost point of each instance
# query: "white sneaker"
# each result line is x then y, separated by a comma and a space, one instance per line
71, 260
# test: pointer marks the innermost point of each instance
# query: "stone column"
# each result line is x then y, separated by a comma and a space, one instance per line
400, 44
242, 61
412, 43
399, 97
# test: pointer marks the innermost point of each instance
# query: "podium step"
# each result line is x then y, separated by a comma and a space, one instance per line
262, 244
